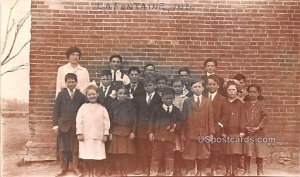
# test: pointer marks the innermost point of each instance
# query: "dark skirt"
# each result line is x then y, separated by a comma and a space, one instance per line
121, 145
234, 147
193, 150
256, 149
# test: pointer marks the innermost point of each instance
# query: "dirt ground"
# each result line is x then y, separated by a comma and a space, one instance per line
15, 131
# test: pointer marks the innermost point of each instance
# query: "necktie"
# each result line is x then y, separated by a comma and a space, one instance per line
149, 99
132, 88
115, 77
168, 109
210, 97
71, 94
104, 91
198, 101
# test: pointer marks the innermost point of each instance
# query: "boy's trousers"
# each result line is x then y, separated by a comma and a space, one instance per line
162, 149
68, 148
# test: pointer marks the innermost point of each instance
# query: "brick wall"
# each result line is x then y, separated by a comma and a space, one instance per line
259, 38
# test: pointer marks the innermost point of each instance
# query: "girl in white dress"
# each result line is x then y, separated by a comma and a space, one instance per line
92, 129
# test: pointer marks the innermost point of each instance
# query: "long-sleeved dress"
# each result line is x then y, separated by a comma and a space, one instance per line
123, 122
234, 124
93, 123
256, 115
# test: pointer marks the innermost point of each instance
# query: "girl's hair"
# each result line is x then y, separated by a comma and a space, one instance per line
260, 97
91, 87
229, 83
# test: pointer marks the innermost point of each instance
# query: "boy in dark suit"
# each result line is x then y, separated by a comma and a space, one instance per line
118, 76
106, 88
218, 109
164, 121
184, 74
144, 105
135, 87
198, 124
66, 106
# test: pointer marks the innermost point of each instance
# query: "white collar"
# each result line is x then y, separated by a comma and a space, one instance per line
152, 94
166, 107
208, 74
213, 95
70, 66
196, 97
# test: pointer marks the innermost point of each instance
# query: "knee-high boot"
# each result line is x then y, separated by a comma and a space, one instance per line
228, 161
247, 165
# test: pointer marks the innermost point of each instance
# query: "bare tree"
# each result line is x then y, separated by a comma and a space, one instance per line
9, 51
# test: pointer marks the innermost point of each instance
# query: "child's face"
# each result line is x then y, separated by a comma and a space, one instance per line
134, 76
178, 88
184, 76
105, 80
210, 67
242, 82
161, 84
149, 69
212, 86
92, 95
168, 99
197, 88
71, 84
253, 93
74, 58
149, 87
232, 91
115, 63
121, 94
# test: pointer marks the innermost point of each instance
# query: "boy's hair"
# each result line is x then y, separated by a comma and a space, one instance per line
150, 78
71, 76
210, 60
115, 56
133, 68
161, 77
214, 78
260, 97
186, 69
194, 81
72, 50
168, 91
239, 77
149, 64
91, 87
121, 86
176, 79
105, 73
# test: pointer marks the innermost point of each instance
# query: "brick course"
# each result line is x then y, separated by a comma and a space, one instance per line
259, 38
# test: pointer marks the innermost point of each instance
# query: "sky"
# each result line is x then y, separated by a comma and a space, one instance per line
15, 84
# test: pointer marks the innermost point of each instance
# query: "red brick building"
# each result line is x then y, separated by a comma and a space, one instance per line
259, 38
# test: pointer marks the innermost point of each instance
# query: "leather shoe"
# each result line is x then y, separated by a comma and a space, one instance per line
62, 172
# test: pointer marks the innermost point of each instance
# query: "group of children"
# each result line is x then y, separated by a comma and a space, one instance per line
161, 124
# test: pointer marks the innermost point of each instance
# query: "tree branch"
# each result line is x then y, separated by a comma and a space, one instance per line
19, 26
8, 29
16, 68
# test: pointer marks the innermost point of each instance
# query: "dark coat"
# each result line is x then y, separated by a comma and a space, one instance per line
65, 109
143, 111
160, 120
221, 83
122, 118
198, 121
138, 91
234, 120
